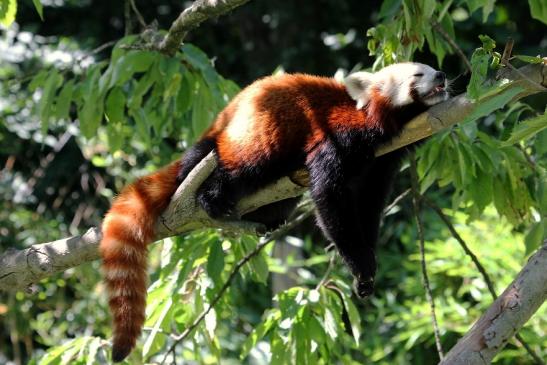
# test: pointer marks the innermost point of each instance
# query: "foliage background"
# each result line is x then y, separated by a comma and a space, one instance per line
77, 123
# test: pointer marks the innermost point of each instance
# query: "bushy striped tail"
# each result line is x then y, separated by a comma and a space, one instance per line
127, 230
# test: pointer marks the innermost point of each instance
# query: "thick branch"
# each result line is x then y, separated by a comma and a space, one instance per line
191, 18
19, 269
505, 316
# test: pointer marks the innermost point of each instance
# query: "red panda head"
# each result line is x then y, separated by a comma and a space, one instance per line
401, 83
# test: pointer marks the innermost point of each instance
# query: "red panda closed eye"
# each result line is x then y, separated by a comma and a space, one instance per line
273, 127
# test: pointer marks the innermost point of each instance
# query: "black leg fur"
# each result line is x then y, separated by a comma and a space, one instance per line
330, 175
193, 156
369, 192
217, 195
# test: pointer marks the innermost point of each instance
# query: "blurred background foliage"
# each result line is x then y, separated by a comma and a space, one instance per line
81, 116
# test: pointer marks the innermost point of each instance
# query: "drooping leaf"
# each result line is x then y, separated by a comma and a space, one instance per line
479, 70
63, 101
529, 59
45, 106
527, 129
534, 237
39, 8
215, 261
538, 9
493, 103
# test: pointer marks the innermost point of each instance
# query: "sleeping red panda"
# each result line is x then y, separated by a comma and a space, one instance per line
273, 127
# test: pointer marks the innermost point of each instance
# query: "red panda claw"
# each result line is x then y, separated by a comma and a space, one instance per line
363, 288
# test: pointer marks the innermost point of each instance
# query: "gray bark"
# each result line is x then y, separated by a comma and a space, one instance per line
506, 315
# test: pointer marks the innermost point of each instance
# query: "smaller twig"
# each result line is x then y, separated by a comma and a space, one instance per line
264, 241
507, 51
527, 158
452, 44
420, 228
127, 18
327, 272
526, 78
138, 14
396, 201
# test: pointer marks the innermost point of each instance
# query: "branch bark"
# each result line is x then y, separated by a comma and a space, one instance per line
191, 18
19, 269
506, 315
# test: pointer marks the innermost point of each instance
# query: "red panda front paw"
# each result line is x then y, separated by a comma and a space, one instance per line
363, 287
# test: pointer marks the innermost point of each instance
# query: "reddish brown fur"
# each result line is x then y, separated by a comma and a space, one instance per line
127, 229
320, 106
299, 110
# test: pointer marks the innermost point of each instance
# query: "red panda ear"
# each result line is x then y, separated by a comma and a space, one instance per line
357, 84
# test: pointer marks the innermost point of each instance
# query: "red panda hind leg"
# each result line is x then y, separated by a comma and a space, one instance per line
337, 214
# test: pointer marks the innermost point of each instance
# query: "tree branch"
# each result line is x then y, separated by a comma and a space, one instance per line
19, 269
506, 315
191, 18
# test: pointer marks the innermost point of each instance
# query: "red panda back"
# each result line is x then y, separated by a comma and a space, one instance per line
282, 115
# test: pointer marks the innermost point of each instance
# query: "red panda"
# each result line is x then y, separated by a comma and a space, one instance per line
273, 127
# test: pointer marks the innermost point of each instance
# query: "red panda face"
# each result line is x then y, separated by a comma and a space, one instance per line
401, 83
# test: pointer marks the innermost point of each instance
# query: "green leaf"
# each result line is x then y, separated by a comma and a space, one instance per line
93, 349
201, 109
8, 9
540, 144
527, 129
529, 59
184, 96
389, 8
479, 69
39, 9
141, 88
488, 44
154, 342
258, 264
62, 104
271, 319
115, 106
129, 64
215, 261
91, 111
486, 5
330, 324
534, 237
45, 104
66, 353
485, 107
354, 317
538, 9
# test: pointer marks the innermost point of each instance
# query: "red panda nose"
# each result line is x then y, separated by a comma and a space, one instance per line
440, 76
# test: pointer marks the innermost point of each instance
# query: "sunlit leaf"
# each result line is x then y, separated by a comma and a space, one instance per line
8, 9
538, 9
527, 129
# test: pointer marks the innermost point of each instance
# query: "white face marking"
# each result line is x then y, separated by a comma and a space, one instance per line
402, 83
